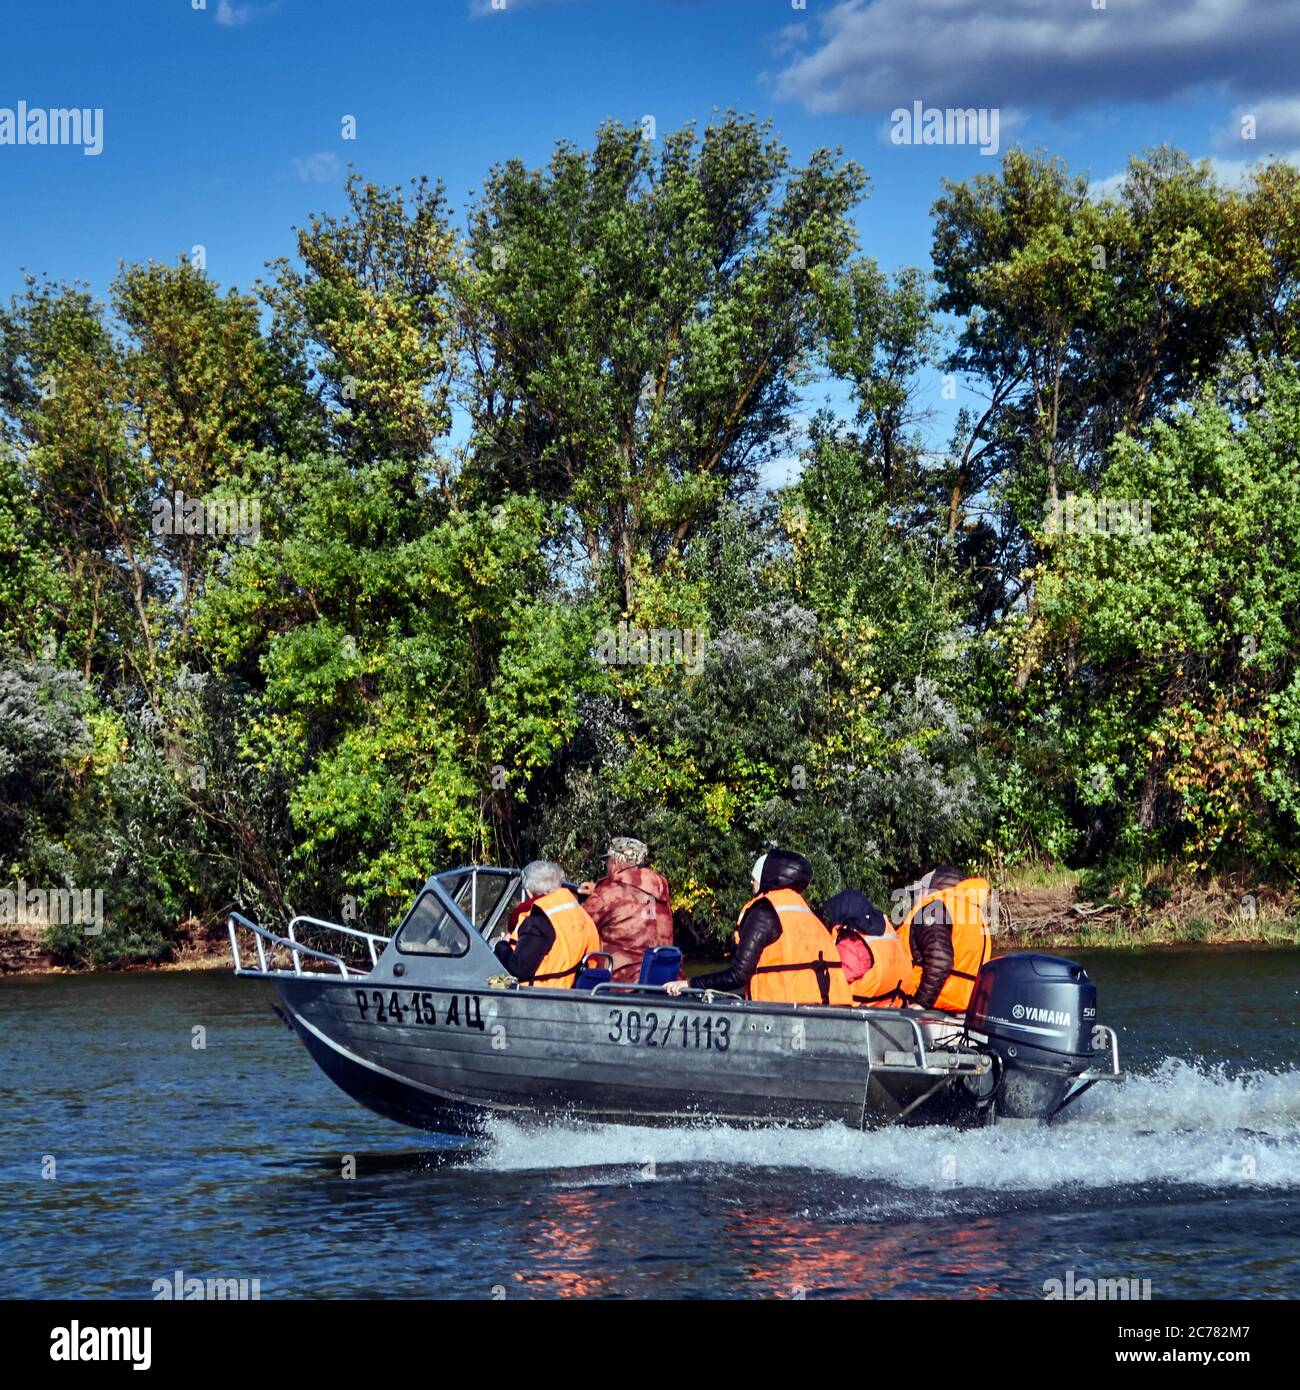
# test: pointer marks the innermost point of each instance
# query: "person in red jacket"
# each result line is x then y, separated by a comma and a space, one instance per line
630, 906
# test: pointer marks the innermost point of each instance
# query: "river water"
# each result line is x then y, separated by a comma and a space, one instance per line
128, 1152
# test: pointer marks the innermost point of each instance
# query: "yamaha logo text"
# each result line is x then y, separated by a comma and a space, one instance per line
1032, 1015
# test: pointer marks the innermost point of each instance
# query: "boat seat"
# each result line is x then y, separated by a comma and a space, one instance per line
593, 973
659, 965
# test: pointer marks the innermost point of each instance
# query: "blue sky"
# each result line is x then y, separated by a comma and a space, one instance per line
222, 124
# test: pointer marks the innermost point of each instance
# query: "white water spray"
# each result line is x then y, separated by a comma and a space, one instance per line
1181, 1125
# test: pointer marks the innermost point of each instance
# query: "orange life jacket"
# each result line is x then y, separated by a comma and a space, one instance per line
966, 903
885, 985
575, 938
802, 965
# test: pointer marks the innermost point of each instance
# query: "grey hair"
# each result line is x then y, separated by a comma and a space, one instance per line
542, 876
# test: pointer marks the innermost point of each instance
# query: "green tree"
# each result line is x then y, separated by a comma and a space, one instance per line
823, 712
367, 312
635, 323
881, 332
412, 671
1170, 661
1088, 316
111, 413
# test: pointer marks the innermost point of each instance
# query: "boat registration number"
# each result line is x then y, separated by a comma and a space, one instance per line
633, 1028
388, 1006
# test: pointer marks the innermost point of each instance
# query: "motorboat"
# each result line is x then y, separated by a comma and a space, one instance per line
425, 1027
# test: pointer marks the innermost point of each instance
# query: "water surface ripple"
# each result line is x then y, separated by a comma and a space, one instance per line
229, 1161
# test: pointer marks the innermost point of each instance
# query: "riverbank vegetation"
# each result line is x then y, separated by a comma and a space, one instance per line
448, 541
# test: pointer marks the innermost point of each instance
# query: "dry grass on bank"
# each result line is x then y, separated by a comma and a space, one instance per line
1040, 907
1044, 907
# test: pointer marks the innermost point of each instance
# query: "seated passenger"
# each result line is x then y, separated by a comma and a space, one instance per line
629, 906
516, 915
946, 937
551, 943
784, 953
876, 964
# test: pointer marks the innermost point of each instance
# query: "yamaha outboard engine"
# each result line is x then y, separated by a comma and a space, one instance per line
1037, 1013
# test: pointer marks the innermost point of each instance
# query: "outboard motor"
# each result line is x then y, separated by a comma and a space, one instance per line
1037, 1013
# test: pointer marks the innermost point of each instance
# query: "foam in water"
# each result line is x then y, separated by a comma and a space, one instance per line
1181, 1124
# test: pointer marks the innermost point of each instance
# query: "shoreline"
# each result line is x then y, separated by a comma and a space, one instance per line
1269, 936
23, 954
32, 972
1047, 915
1150, 936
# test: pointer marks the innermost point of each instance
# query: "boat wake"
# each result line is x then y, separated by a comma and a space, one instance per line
1181, 1125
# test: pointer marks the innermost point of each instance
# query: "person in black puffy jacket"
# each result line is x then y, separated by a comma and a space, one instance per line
759, 926
931, 935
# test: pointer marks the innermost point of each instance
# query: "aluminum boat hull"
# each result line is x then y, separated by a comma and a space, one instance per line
424, 1028
542, 1055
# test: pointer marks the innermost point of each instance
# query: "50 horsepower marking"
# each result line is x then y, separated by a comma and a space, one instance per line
387, 1006
633, 1028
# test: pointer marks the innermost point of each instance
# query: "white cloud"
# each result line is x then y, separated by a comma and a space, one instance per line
1275, 123
232, 15
872, 55
1101, 189
1232, 173
1235, 173
322, 167
777, 473
788, 38
479, 8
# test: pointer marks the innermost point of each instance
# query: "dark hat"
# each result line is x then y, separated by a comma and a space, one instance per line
853, 909
945, 876
782, 868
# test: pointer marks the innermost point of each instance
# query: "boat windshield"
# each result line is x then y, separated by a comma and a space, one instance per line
481, 894
431, 930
